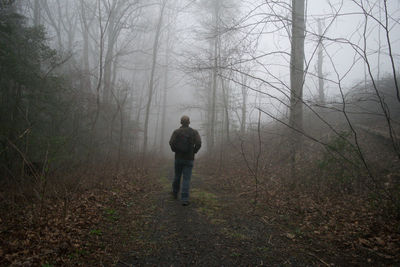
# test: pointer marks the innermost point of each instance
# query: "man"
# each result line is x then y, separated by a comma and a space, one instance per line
185, 142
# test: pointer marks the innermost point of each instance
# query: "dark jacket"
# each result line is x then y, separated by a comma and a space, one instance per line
195, 141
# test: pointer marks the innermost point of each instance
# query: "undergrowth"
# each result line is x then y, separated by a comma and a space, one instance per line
85, 226
332, 199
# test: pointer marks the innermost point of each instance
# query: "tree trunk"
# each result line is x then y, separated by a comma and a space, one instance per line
108, 62
225, 96
151, 82
165, 95
86, 84
244, 107
209, 98
36, 13
54, 24
321, 94
90, 157
215, 74
379, 46
296, 78
157, 103
121, 129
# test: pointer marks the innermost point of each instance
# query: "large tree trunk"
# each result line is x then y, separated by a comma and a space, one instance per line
151, 82
321, 93
214, 95
296, 78
378, 77
209, 98
165, 94
108, 61
215, 74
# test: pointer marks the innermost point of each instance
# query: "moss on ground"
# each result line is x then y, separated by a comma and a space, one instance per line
207, 204
164, 181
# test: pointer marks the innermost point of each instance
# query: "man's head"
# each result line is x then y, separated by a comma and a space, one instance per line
185, 121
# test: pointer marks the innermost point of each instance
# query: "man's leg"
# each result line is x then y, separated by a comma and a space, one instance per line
187, 174
177, 179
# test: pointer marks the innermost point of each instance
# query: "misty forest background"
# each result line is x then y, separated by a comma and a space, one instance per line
290, 97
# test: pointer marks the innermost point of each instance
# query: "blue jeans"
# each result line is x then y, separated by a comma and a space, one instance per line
182, 167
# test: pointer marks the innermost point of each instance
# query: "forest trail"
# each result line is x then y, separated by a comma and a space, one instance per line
133, 220
214, 230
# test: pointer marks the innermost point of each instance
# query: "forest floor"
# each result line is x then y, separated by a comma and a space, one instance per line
223, 227
216, 229
136, 222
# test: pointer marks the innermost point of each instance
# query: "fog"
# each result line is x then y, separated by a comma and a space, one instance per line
297, 106
135, 67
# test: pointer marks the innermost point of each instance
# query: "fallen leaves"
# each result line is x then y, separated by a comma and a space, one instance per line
347, 224
289, 235
80, 238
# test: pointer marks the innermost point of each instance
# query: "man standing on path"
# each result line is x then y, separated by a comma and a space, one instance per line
185, 142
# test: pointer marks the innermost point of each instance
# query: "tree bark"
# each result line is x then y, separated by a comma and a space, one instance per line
165, 95
244, 107
296, 78
36, 13
321, 93
108, 61
225, 96
151, 82
86, 83
215, 74
209, 98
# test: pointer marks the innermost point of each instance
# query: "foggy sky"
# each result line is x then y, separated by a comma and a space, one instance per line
188, 38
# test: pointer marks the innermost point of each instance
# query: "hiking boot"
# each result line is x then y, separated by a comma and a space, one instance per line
185, 203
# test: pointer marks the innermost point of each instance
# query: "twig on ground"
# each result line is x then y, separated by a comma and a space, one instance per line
321, 260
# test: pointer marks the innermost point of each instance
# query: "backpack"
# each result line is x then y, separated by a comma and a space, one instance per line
183, 142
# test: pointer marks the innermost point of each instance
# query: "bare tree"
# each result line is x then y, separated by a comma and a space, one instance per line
215, 68
54, 24
113, 30
296, 76
244, 91
36, 13
166, 81
321, 93
62, 18
152, 74
85, 25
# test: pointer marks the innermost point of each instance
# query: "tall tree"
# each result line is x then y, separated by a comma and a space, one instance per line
296, 77
53, 23
216, 15
244, 92
112, 34
85, 25
152, 72
36, 13
321, 93
166, 84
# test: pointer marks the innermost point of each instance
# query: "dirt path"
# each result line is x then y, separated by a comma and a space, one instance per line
133, 221
214, 230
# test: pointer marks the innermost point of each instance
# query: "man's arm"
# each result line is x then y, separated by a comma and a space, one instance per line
172, 141
197, 141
